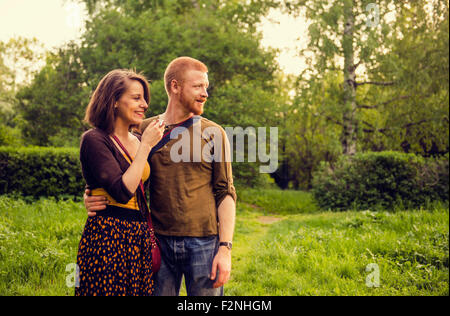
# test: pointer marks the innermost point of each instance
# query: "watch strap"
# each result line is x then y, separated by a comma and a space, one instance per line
229, 245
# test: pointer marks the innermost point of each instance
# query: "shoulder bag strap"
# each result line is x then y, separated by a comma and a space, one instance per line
141, 186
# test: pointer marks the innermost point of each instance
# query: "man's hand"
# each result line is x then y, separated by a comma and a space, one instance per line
94, 203
221, 264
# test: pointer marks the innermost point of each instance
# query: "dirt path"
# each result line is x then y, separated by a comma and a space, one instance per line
269, 219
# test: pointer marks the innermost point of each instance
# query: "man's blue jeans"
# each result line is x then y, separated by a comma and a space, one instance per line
191, 257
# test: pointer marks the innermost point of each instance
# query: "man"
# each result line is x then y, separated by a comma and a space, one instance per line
192, 199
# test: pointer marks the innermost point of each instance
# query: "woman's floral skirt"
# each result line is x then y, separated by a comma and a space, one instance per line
114, 255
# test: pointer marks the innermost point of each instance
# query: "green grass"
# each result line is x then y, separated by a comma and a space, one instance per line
279, 202
304, 252
328, 253
37, 242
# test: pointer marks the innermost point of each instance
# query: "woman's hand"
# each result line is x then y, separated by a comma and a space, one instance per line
150, 137
153, 133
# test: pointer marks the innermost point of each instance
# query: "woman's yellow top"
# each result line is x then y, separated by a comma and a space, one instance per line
132, 203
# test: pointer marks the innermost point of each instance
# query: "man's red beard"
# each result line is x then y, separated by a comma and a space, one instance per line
190, 106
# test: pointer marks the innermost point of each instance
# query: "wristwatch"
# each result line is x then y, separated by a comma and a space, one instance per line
229, 245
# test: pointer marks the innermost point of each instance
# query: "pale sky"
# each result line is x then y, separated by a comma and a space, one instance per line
54, 22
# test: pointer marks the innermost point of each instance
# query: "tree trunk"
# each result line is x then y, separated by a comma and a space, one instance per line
349, 133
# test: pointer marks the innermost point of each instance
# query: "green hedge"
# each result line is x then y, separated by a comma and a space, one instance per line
41, 171
48, 171
381, 180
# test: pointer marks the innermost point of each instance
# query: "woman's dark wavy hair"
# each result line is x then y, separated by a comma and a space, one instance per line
100, 112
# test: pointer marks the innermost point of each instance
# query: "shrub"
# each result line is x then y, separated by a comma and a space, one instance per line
49, 171
381, 180
41, 171
434, 178
246, 174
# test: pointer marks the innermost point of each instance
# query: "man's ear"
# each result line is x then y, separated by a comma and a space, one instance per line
174, 86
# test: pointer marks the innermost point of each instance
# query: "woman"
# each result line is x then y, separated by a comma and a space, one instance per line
114, 254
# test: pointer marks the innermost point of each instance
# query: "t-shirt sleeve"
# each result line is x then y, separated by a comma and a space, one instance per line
98, 160
222, 170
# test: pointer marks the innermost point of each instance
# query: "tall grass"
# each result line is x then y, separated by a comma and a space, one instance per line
321, 253
37, 242
329, 253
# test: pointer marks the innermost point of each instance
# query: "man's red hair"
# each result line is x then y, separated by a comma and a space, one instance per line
178, 67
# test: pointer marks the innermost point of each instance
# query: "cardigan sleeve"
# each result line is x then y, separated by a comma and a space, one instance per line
101, 168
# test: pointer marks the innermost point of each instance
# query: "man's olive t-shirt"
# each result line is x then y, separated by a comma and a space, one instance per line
189, 177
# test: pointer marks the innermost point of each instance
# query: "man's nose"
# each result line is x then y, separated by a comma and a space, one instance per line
205, 93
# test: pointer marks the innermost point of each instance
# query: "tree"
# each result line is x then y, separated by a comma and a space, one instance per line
412, 114
310, 137
18, 61
246, 14
52, 107
242, 92
374, 46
